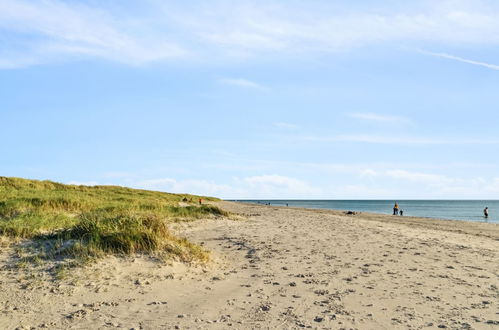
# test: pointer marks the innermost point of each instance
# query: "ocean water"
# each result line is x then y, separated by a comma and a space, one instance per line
468, 210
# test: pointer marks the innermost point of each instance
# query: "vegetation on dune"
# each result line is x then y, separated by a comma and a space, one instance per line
85, 222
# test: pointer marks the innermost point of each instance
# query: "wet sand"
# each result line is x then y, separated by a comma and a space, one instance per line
280, 268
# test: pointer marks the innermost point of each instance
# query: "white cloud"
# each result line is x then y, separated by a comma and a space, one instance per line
374, 183
51, 30
380, 118
460, 59
265, 186
278, 185
334, 181
244, 83
84, 183
190, 186
59, 29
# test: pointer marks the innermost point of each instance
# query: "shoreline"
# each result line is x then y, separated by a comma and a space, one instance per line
485, 229
368, 212
281, 267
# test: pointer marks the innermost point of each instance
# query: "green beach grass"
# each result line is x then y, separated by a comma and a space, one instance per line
86, 222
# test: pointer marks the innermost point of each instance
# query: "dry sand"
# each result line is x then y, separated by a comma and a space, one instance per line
281, 268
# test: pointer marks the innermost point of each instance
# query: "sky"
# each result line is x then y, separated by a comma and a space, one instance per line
254, 99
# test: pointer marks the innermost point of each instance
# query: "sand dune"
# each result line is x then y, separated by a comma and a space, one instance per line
281, 268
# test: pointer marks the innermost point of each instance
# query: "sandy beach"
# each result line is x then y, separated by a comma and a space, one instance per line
278, 268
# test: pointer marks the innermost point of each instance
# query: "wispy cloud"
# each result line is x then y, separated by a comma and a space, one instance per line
380, 118
281, 27
284, 125
400, 140
54, 30
16, 63
240, 82
460, 59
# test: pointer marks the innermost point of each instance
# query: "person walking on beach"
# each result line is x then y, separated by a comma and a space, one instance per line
486, 212
396, 209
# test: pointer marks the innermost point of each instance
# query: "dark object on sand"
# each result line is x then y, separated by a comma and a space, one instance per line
351, 213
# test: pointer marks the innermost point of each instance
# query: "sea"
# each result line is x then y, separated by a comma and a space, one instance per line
467, 210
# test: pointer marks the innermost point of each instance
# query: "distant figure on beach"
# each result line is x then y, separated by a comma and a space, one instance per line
396, 209
401, 213
486, 212
287, 204
200, 201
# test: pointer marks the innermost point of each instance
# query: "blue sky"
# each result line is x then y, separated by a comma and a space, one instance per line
254, 99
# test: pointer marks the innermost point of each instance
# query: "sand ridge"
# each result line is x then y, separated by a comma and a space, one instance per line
281, 268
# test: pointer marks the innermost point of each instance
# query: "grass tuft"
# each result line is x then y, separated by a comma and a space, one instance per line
84, 223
